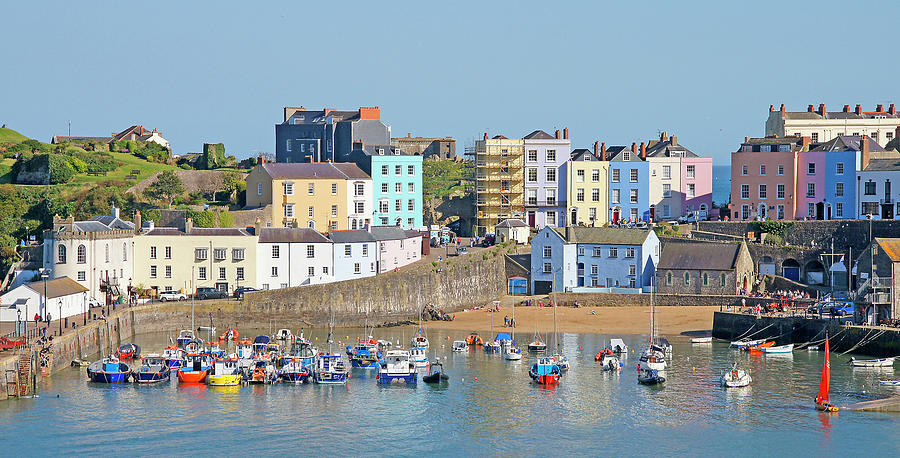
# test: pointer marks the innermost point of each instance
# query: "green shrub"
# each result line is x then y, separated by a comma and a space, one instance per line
204, 218
226, 219
773, 239
61, 169
185, 167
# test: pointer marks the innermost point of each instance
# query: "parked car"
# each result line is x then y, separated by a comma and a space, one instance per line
239, 292
210, 293
172, 296
92, 302
842, 309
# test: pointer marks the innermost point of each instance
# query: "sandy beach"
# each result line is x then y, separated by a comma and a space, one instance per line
671, 321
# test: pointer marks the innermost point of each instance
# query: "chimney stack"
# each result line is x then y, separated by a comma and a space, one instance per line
864, 149
188, 225
557, 134
114, 212
634, 148
603, 148
822, 109
846, 108
138, 222
782, 110
810, 109
879, 108
858, 109
257, 227
891, 109
485, 135
674, 140
596, 149
805, 141
663, 136
771, 108
262, 160
643, 150
566, 133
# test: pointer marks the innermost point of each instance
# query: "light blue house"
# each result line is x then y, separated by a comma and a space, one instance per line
354, 254
397, 181
629, 184
615, 259
843, 158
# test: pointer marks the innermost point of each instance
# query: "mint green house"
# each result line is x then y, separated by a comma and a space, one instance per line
397, 182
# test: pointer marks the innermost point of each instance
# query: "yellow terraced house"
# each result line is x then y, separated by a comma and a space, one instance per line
319, 195
499, 181
171, 259
587, 192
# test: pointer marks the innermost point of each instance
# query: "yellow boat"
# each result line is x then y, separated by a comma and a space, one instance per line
225, 373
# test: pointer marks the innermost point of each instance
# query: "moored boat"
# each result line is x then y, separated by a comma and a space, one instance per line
174, 356
746, 343
294, 371
512, 353
701, 340
460, 346
736, 378
364, 354
108, 370
129, 351
397, 367
331, 369
153, 369
537, 345
610, 362
647, 376
758, 348
184, 336
779, 349
618, 346
545, 372
880, 362
225, 373
283, 334
262, 371
230, 335
195, 370
474, 339
419, 356
437, 374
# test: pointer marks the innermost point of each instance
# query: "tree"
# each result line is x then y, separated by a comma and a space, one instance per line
166, 187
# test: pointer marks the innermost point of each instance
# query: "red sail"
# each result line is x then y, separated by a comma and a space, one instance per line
826, 376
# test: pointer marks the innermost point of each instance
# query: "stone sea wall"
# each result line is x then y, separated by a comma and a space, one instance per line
664, 300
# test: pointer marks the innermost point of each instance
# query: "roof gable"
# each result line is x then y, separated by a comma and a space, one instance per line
539, 135
699, 256
58, 287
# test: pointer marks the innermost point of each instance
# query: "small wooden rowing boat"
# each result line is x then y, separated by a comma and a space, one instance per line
779, 349
701, 340
736, 378
881, 362
746, 343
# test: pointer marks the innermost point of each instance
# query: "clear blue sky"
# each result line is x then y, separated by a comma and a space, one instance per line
617, 71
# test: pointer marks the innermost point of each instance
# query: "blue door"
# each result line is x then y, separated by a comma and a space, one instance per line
792, 273
518, 286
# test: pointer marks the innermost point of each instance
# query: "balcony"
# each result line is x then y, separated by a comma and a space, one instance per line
879, 298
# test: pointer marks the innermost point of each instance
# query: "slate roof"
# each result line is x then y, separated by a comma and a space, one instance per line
539, 135
57, 287
838, 115
351, 236
208, 231
876, 165
581, 153
788, 139
617, 153
91, 226
847, 143
313, 170
388, 233
699, 256
665, 148
291, 235
114, 222
372, 150
511, 222
603, 235
891, 247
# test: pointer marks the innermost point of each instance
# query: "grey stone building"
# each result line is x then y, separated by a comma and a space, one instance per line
704, 268
878, 276
437, 147
327, 134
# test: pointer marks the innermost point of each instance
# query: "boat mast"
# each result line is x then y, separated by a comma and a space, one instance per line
652, 314
513, 322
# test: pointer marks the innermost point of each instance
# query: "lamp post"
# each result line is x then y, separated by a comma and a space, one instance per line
18, 320
44, 276
60, 317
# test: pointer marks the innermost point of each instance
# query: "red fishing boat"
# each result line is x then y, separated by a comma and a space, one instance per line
822, 398
474, 339
758, 348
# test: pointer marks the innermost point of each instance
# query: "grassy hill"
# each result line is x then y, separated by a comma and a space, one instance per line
10, 136
443, 178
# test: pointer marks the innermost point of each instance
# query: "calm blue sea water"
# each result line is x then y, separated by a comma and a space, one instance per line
721, 183
489, 408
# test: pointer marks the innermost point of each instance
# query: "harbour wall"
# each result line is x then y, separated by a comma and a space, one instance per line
643, 300
874, 341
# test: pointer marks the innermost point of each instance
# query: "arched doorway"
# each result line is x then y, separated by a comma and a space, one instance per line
790, 269
815, 273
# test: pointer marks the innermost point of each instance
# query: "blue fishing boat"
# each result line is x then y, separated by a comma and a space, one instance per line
397, 368
261, 346
108, 370
153, 369
331, 369
184, 336
545, 372
364, 354
294, 371
174, 356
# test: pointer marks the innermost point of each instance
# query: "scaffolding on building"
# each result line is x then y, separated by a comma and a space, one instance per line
499, 181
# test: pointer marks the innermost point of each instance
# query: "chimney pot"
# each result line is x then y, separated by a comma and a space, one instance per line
633, 147
771, 108
643, 150
663, 136
557, 134
891, 109
746, 139
782, 110
566, 133
603, 149
597, 149
189, 226
846, 108
864, 150
858, 109
138, 222
810, 108
674, 140
879, 108
822, 109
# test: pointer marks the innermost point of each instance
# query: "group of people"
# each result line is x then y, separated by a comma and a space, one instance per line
509, 322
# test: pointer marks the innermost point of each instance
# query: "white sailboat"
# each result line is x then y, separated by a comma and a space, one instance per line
652, 364
512, 352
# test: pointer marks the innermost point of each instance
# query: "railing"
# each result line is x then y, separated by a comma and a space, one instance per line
879, 298
882, 282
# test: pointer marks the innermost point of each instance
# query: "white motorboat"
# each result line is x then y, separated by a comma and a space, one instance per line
653, 358
419, 356
610, 362
397, 367
283, 334
701, 340
651, 376
512, 353
419, 340
618, 346
561, 361
779, 349
736, 378
460, 346
881, 362
746, 343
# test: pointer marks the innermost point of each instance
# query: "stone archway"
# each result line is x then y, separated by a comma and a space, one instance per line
815, 272
767, 265
790, 269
